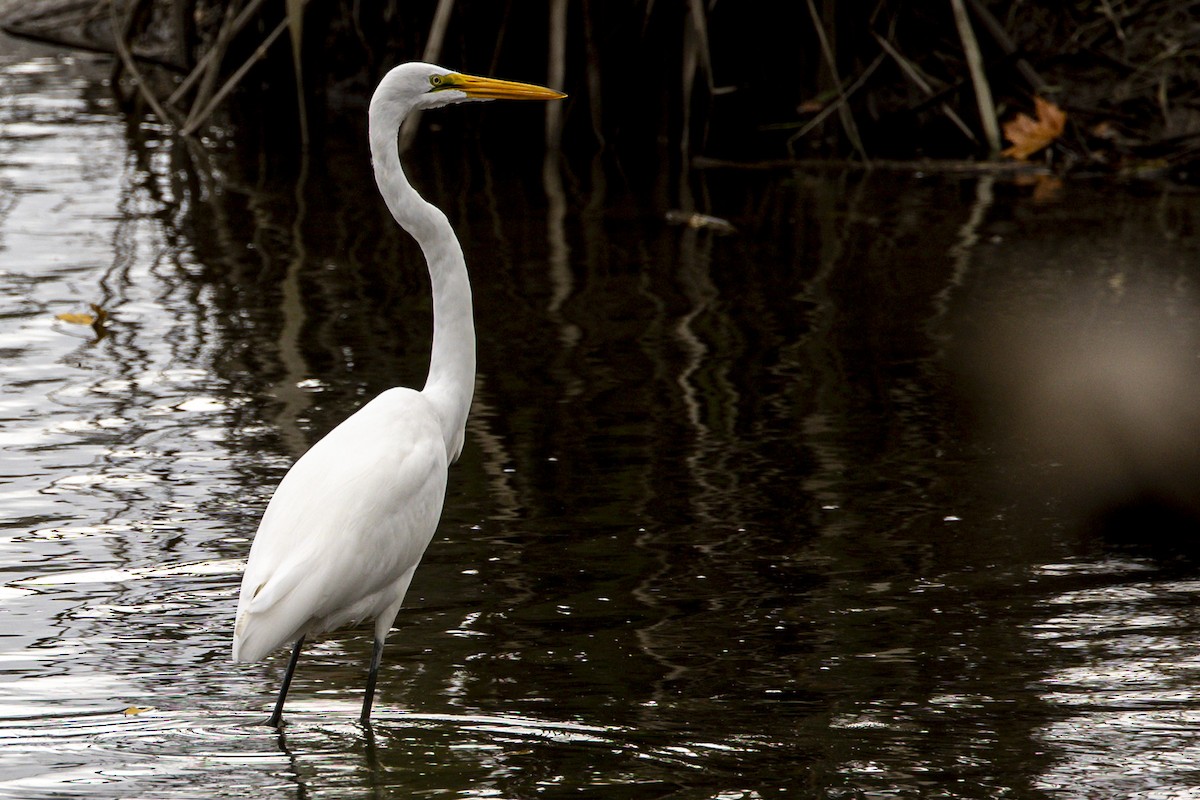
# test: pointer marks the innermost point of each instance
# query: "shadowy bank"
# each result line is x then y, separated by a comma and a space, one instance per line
740, 82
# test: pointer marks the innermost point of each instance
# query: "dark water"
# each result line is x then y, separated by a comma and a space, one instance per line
727, 524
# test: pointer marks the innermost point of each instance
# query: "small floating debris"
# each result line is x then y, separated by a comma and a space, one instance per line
694, 219
133, 711
96, 320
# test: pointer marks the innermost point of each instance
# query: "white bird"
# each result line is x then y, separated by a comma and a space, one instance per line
348, 524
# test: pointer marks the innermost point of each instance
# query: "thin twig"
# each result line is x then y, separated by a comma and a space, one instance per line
213, 52
120, 32
925, 165
208, 80
556, 70
295, 17
700, 25
437, 30
842, 98
494, 64
689, 66
594, 83
433, 53
983, 92
843, 109
1107, 8
230, 84
997, 32
915, 76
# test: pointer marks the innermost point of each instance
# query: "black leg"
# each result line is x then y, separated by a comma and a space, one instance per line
277, 715
369, 697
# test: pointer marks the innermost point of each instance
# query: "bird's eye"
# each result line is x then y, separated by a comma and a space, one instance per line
435, 81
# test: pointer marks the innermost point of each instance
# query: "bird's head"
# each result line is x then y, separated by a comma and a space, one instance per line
416, 85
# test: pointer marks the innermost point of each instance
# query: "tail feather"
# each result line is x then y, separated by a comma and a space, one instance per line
257, 635
269, 613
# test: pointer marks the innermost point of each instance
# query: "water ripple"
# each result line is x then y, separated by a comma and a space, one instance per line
1129, 700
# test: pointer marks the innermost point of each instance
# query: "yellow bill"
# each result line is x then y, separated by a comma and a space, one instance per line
495, 89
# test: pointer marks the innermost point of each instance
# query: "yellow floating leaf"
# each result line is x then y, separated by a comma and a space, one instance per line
77, 319
1029, 135
96, 318
133, 711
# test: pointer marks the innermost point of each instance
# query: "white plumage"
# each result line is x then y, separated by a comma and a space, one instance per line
307, 547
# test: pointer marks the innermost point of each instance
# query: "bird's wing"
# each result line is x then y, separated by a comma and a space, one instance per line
350, 518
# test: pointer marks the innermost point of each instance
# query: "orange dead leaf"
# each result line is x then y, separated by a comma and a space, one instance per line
1029, 135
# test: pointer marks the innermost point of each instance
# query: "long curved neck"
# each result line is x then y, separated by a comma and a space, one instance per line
451, 380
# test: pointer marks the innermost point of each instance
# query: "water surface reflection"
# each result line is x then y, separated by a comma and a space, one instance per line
725, 525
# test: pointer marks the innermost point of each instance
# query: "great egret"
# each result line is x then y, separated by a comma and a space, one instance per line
348, 524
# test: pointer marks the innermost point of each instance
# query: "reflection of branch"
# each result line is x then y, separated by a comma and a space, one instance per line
496, 455
825, 481
562, 284
711, 400
295, 367
699, 289
708, 421
963, 249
